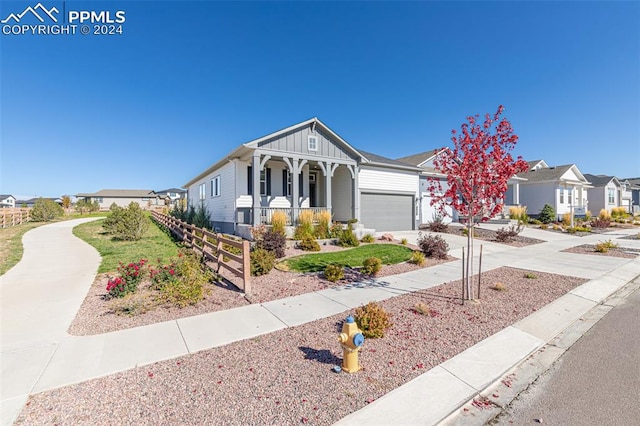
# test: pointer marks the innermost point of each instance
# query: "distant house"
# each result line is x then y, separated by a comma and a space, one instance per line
7, 201
634, 189
32, 201
608, 192
172, 195
562, 187
306, 166
424, 161
146, 198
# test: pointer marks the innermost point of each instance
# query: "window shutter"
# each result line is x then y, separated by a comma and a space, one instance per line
249, 180
268, 181
284, 182
300, 185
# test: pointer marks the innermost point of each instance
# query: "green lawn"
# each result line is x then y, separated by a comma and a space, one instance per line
155, 244
388, 253
11, 248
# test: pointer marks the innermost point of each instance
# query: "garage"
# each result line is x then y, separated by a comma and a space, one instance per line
387, 212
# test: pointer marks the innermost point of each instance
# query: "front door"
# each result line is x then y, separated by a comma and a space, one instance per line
312, 189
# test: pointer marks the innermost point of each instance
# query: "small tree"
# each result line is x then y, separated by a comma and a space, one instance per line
66, 202
477, 171
129, 223
45, 210
547, 214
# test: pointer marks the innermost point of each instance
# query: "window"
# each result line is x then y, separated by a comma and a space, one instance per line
98, 199
562, 196
611, 195
313, 143
265, 181
215, 186
202, 191
286, 183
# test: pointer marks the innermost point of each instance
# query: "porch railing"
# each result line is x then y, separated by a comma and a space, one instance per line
266, 214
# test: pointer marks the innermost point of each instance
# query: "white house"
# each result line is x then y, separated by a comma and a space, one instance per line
146, 198
172, 195
7, 201
562, 187
306, 166
608, 192
424, 161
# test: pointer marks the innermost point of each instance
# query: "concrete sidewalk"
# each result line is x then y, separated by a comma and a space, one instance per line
41, 295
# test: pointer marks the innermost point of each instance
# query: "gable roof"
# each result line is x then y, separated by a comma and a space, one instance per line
165, 191
4, 196
376, 159
420, 158
125, 193
600, 180
536, 164
552, 174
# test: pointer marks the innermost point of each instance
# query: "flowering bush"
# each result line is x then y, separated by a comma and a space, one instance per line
130, 276
165, 274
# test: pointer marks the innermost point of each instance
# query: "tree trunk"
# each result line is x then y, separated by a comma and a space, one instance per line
469, 265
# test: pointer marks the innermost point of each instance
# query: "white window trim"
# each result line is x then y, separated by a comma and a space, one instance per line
263, 182
215, 187
289, 184
315, 142
202, 191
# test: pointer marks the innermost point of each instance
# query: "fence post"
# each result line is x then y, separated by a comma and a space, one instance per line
219, 259
246, 267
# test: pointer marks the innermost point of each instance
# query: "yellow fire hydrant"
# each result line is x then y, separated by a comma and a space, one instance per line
351, 339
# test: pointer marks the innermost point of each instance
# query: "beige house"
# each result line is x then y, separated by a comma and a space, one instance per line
146, 198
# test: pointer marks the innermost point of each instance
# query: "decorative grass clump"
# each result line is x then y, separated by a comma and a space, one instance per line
373, 320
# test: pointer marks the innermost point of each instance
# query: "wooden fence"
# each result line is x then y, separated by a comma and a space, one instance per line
225, 253
12, 217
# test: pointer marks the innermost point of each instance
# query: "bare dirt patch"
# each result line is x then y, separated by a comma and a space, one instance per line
285, 377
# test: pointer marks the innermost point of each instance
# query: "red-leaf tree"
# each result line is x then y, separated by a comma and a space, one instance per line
477, 169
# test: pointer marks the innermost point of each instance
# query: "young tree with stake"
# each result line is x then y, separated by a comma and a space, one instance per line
477, 169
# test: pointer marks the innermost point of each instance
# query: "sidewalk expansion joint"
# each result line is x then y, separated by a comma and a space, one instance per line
183, 339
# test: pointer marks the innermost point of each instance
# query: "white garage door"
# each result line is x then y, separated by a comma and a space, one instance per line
387, 212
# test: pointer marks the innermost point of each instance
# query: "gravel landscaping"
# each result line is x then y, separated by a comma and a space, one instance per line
285, 377
96, 316
490, 235
613, 252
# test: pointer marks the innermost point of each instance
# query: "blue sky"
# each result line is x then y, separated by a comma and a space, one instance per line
187, 82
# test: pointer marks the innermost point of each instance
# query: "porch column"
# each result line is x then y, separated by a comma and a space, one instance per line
516, 193
295, 167
255, 167
355, 191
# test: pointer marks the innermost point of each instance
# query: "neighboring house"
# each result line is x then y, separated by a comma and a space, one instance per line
634, 189
306, 166
146, 198
424, 161
562, 187
172, 195
608, 192
32, 201
8, 201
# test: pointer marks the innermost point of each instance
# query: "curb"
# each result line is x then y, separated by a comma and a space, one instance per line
490, 403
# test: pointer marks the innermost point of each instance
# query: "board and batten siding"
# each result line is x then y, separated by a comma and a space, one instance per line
378, 179
297, 142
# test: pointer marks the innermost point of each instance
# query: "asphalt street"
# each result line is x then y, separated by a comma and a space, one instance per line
596, 382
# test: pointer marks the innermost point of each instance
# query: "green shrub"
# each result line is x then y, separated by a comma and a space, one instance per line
600, 222
371, 266
308, 243
530, 275
128, 224
418, 258
334, 272
547, 214
274, 241
45, 210
202, 217
190, 287
368, 238
373, 320
348, 238
336, 230
404, 241
130, 275
262, 261
433, 246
